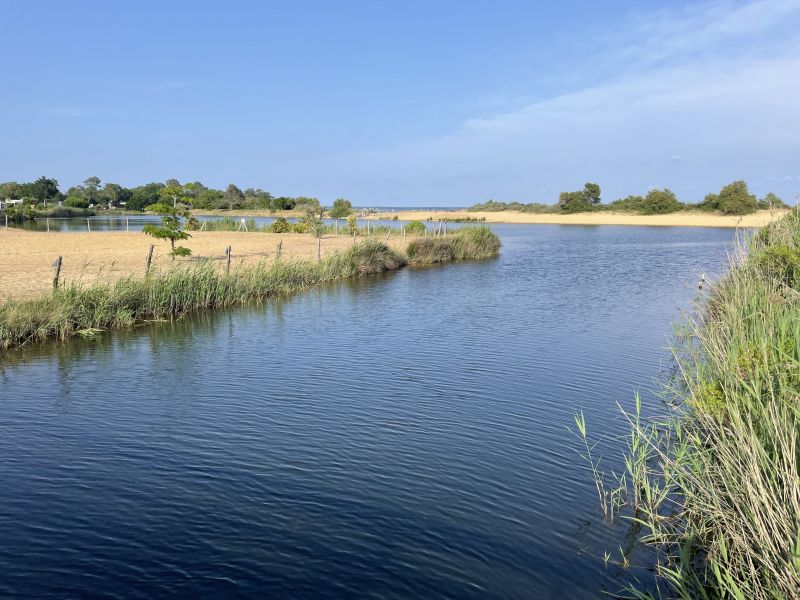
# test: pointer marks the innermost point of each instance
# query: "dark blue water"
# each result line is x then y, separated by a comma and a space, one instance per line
403, 436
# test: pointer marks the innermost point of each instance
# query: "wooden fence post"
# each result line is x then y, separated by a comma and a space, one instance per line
149, 260
280, 247
319, 248
48, 225
228, 253
57, 274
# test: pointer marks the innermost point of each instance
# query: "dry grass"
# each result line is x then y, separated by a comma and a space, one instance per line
26, 271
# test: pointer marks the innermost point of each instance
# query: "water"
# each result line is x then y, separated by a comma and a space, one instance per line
137, 223
403, 436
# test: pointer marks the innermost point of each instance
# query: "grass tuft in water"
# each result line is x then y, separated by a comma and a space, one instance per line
468, 243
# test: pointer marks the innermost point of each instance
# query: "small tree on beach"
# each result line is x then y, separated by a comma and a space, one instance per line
170, 228
314, 224
341, 209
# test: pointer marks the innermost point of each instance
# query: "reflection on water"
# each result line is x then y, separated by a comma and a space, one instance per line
394, 437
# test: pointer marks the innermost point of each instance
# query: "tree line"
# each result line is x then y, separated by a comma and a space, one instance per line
733, 199
93, 193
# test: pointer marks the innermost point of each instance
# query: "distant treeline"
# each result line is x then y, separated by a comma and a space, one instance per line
733, 199
45, 192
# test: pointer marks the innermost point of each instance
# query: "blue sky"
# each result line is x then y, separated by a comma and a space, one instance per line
428, 103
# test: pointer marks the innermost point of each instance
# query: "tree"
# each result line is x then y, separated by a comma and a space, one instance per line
341, 209
170, 228
44, 189
660, 202
91, 186
76, 202
771, 201
144, 195
592, 193
9, 190
282, 203
114, 194
173, 192
582, 200
233, 196
733, 199
314, 224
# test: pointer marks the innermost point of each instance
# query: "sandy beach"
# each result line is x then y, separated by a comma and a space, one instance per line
679, 219
26, 266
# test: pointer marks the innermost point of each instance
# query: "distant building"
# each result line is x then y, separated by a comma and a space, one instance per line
8, 203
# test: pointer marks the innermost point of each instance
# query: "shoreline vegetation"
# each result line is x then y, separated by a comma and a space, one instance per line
732, 206
715, 488
75, 308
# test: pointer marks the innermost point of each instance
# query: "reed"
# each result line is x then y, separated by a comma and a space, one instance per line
468, 243
716, 487
82, 309
75, 309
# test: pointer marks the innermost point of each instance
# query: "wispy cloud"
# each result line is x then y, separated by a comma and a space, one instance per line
691, 97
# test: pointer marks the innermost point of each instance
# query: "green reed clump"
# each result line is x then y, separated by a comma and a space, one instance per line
468, 243
76, 308
717, 486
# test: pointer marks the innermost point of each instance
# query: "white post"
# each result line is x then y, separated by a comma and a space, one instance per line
126, 224
48, 225
89, 225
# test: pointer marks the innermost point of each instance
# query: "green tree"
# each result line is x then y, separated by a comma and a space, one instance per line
44, 189
312, 219
91, 187
580, 201
233, 197
170, 228
771, 201
341, 209
114, 195
733, 199
144, 195
10, 190
76, 202
282, 203
660, 202
173, 192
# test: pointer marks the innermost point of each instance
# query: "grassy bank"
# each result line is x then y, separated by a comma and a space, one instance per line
78, 309
717, 487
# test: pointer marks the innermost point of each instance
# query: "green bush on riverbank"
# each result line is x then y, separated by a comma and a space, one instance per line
75, 308
469, 243
717, 487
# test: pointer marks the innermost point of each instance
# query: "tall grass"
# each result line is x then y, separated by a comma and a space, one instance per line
468, 243
75, 308
717, 486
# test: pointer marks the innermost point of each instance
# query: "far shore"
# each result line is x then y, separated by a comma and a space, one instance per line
678, 219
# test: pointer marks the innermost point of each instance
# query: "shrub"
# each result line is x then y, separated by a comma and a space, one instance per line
470, 243
76, 202
780, 262
415, 228
733, 199
280, 225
